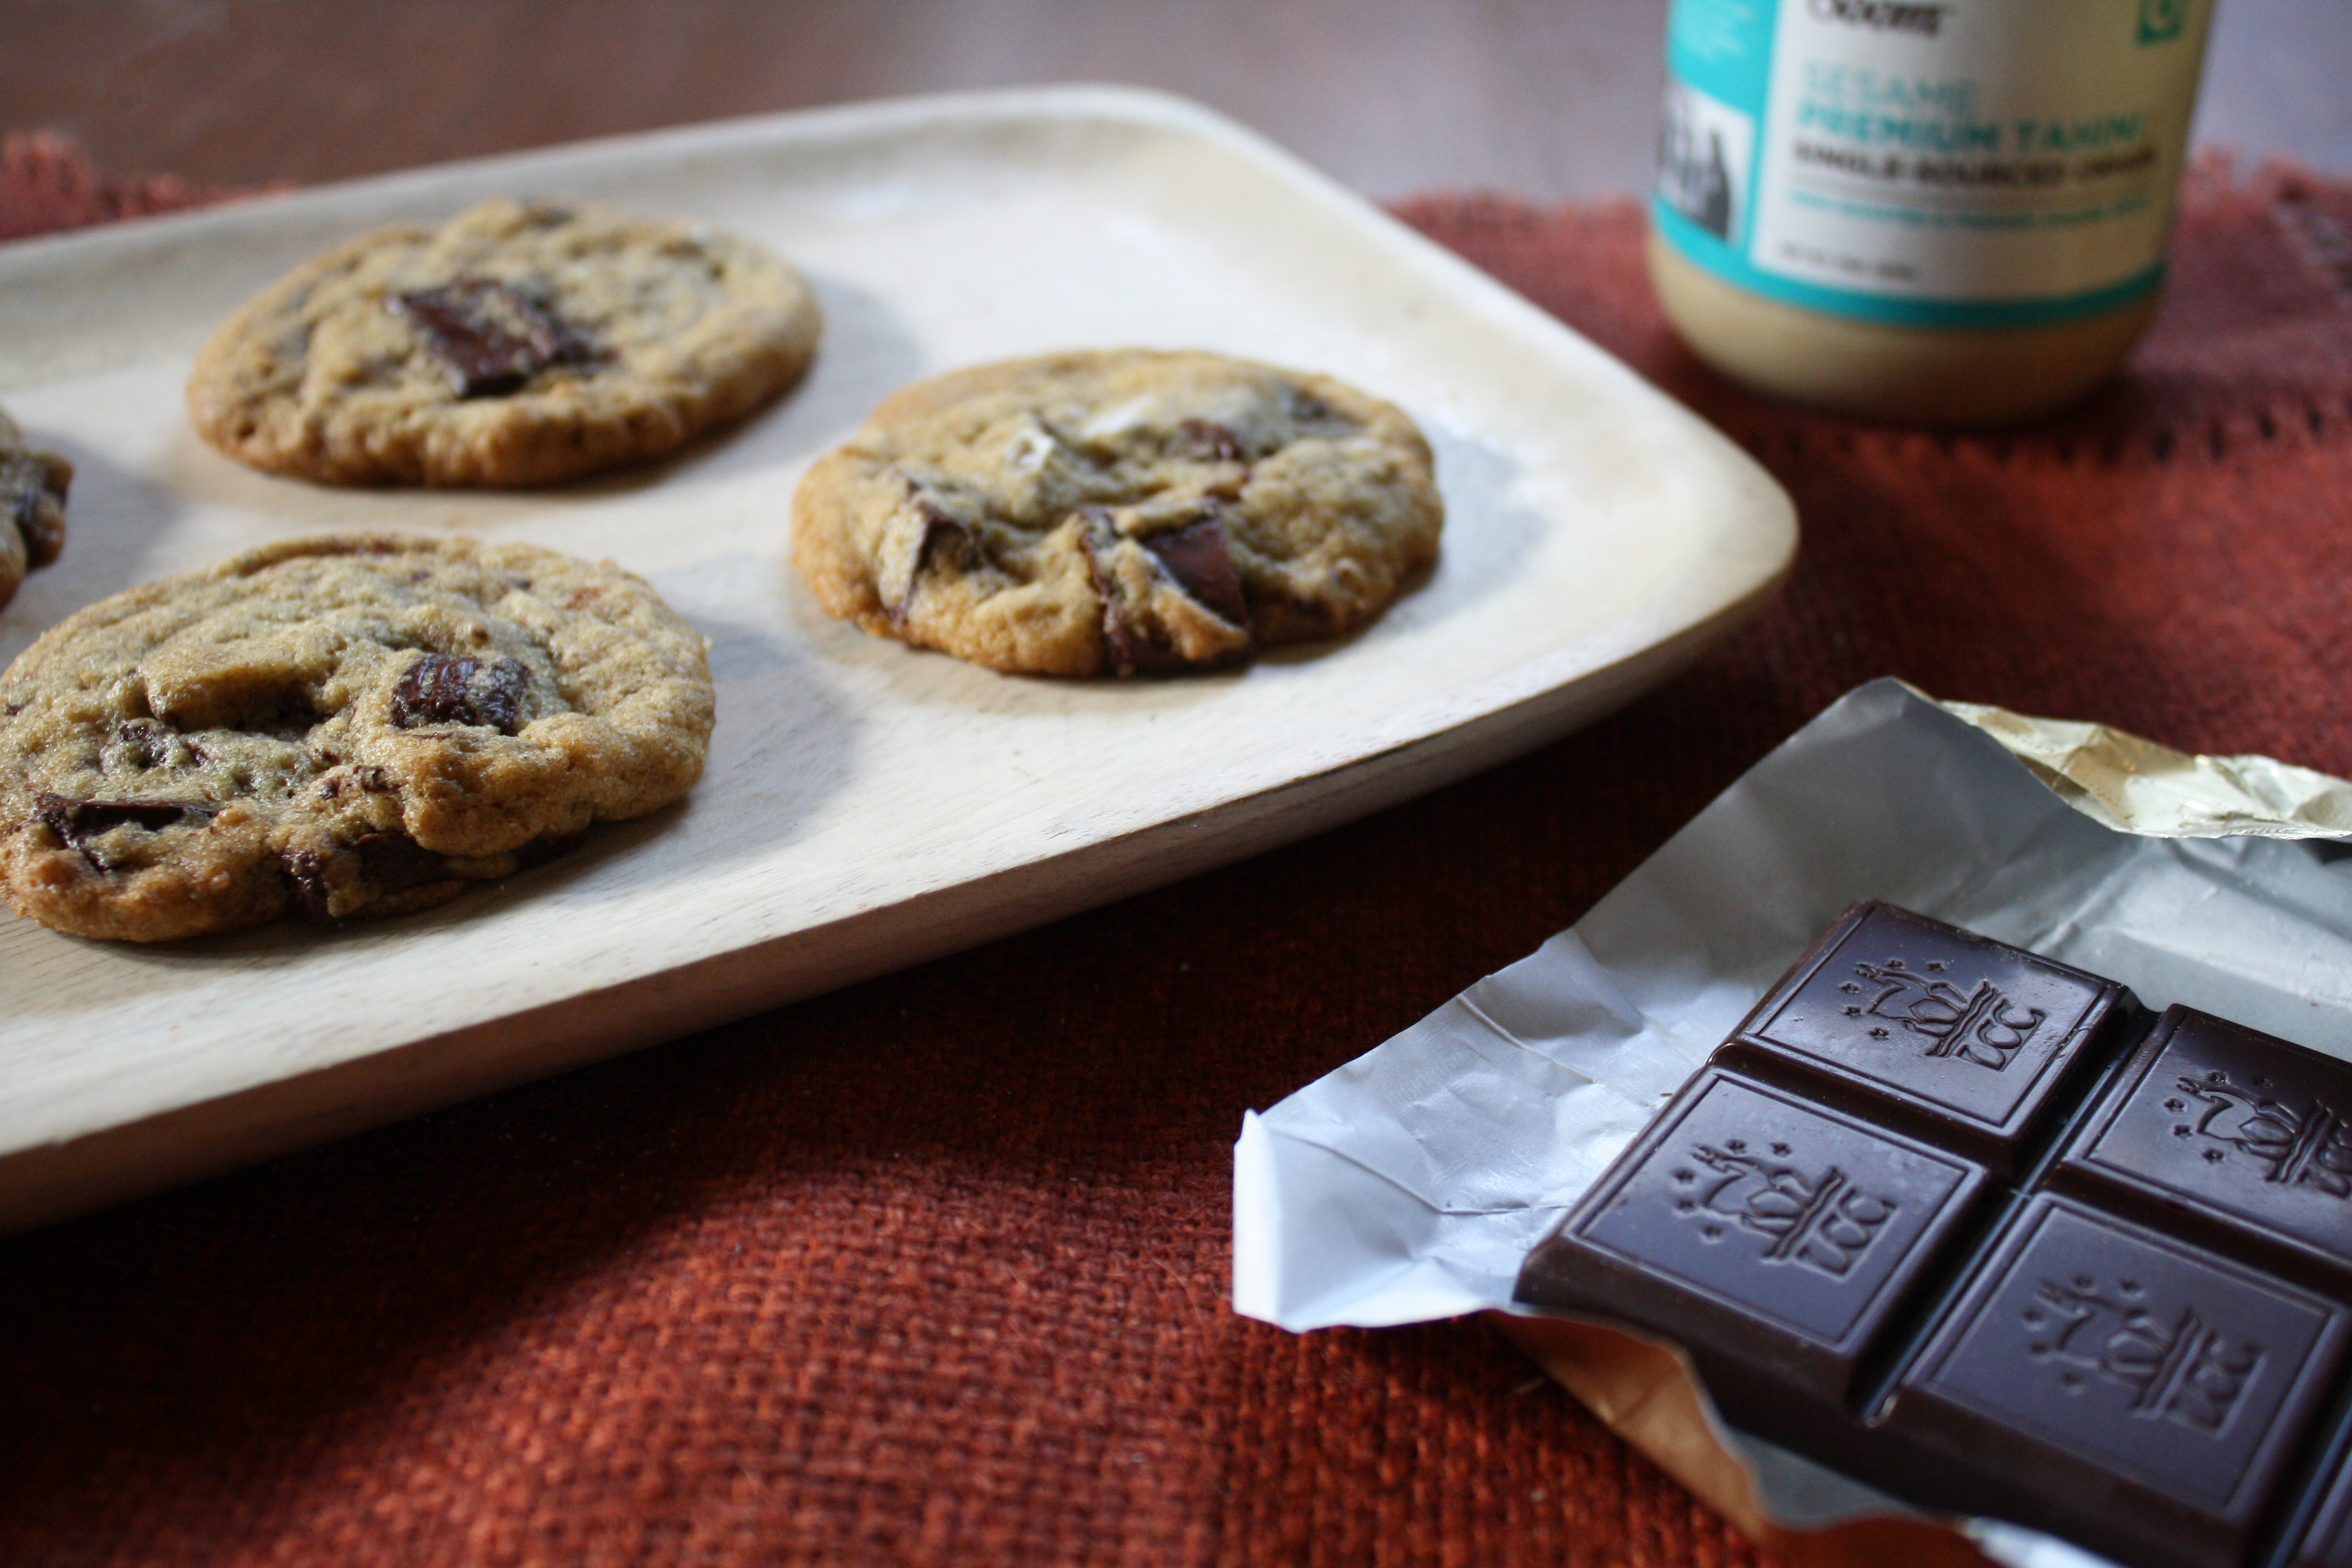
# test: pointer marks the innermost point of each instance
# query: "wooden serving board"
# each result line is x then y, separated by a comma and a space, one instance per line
866, 806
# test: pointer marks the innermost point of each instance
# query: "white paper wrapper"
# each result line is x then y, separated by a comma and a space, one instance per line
1409, 1184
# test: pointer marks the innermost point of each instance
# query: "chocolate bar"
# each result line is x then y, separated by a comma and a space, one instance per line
1913, 1221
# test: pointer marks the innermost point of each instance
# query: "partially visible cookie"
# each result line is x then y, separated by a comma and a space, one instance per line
32, 506
1119, 511
519, 343
336, 727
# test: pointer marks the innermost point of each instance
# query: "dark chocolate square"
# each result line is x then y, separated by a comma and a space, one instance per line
1787, 1235
2140, 1395
2238, 1137
1952, 1036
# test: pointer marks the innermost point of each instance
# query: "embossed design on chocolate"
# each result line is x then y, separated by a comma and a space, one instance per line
2143, 1396
1981, 1027
2309, 1148
1774, 1238
1937, 1031
489, 336
2183, 1370
2238, 1139
1824, 1222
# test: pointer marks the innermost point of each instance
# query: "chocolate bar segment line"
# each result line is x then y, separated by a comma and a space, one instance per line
2320, 1536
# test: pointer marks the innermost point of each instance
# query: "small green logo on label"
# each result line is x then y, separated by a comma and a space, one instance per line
2162, 19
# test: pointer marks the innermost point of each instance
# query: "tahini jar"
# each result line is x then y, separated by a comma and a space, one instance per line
1944, 211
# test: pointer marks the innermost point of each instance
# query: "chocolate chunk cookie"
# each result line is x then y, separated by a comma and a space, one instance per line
32, 508
1119, 511
336, 727
519, 343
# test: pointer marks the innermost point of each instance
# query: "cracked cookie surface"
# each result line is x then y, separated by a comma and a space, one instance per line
335, 728
519, 343
1119, 511
32, 508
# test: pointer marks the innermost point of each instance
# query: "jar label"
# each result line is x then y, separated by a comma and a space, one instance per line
1929, 162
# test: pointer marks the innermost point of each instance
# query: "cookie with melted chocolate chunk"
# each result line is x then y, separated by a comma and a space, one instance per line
336, 727
1118, 512
519, 343
32, 508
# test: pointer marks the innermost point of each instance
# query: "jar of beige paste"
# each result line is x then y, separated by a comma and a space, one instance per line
1942, 211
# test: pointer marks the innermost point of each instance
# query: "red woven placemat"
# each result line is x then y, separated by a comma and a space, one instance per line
46, 184
933, 1270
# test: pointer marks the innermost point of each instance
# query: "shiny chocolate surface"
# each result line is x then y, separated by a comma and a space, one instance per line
2239, 1136
1968, 1226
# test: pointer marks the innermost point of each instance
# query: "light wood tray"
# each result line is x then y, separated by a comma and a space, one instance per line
866, 806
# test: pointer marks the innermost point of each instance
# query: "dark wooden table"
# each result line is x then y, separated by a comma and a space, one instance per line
1544, 100
932, 1270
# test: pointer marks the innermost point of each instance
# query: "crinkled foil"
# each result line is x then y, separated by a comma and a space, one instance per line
2138, 786
1408, 1184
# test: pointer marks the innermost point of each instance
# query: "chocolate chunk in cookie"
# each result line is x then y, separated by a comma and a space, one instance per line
1183, 608
518, 343
336, 727
490, 337
33, 487
84, 825
1200, 556
1118, 512
446, 688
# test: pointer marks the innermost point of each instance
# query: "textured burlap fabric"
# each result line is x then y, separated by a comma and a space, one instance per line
46, 184
933, 1270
